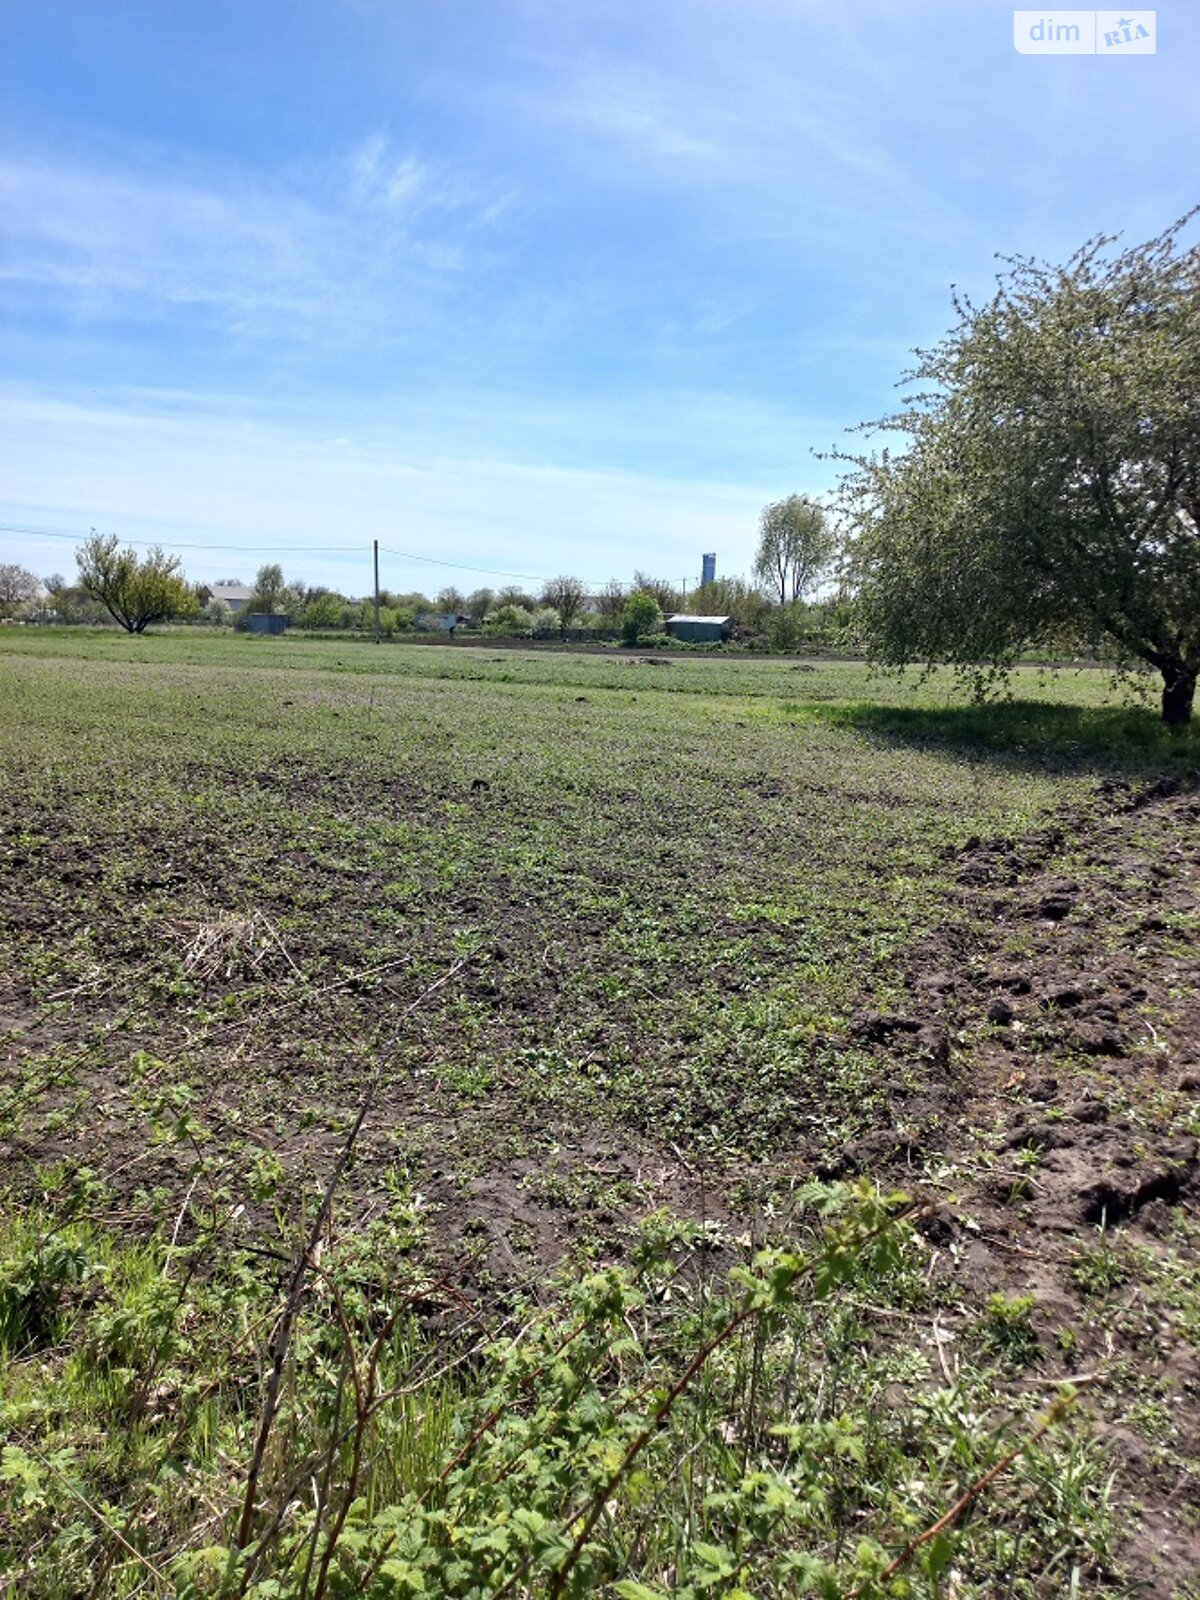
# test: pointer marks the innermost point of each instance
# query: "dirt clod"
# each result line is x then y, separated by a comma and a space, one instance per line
1089, 1111
1056, 907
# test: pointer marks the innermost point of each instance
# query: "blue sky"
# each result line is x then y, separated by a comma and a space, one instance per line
532, 285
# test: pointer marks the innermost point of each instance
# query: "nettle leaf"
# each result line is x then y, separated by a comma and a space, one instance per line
723, 1561
846, 1440
936, 1556
26, 1475
403, 1577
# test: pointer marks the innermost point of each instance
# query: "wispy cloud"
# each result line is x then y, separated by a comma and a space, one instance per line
267, 256
382, 177
650, 115
792, 122
106, 236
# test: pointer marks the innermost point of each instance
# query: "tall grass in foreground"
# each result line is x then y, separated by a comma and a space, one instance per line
635, 1432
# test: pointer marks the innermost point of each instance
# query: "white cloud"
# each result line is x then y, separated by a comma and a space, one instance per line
292, 258
643, 111
782, 119
113, 235
381, 176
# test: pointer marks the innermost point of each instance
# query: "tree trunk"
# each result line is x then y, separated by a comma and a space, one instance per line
1179, 694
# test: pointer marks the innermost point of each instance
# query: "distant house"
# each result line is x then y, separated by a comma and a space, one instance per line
438, 621
235, 595
700, 630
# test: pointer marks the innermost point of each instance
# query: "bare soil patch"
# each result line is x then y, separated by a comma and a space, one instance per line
1066, 1012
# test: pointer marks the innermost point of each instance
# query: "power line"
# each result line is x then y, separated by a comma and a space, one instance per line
292, 550
242, 549
461, 566
349, 551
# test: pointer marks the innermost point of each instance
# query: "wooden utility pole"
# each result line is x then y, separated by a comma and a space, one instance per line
376, 544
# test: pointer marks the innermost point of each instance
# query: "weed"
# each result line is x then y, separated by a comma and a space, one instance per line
1007, 1330
1098, 1269
38, 1273
626, 1435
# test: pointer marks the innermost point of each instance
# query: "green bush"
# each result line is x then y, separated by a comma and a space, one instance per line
1007, 1330
640, 615
509, 620
322, 611
785, 628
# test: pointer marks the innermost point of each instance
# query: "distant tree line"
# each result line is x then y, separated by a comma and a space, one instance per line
772, 609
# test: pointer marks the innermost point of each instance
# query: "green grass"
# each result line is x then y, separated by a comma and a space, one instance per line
660, 890
812, 681
671, 887
604, 930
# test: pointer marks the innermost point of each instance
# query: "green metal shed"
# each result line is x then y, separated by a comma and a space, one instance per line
700, 630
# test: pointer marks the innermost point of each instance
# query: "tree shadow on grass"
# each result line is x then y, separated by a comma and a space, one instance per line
1031, 736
